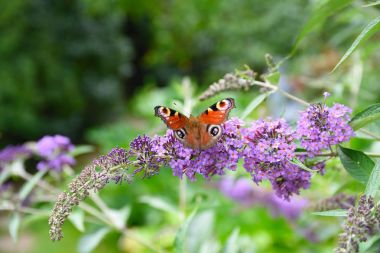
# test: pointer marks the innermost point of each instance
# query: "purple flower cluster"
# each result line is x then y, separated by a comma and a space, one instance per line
185, 161
11, 153
269, 147
55, 152
240, 190
246, 194
320, 126
287, 179
268, 142
146, 156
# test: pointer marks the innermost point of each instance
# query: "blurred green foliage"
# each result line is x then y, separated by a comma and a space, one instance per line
61, 67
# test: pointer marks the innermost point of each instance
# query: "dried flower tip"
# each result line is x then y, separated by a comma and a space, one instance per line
241, 80
270, 63
111, 167
362, 223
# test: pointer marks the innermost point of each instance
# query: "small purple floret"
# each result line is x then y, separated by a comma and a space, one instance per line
55, 152
320, 127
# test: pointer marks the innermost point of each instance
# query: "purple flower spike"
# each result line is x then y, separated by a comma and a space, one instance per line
54, 150
246, 194
320, 126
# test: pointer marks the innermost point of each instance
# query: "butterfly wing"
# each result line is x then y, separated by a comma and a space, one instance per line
173, 119
218, 112
197, 132
210, 122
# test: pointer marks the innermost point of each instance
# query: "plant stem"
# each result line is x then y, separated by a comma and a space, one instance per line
182, 198
132, 235
290, 96
188, 105
286, 94
333, 154
48, 187
96, 213
27, 210
372, 154
105, 216
376, 137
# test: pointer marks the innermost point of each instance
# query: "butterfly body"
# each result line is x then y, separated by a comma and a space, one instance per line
200, 132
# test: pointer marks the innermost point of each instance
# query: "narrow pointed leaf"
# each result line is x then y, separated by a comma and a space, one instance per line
4, 175
318, 16
159, 204
89, 242
14, 225
77, 219
367, 32
254, 103
365, 117
301, 165
180, 239
81, 149
273, 78
332, 213
29, 185
119, 216
232, 245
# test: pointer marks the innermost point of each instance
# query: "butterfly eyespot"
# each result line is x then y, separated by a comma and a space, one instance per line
214, 130
165, 111
180, 133
221, 105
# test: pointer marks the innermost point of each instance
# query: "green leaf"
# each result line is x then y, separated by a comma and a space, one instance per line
318, 16
29, 185
89, 242
373, 181
159, 203
179, 242
81, 149
77, 219
273, 77
366, 117
14, 225
42, 214
301, 165
371, 4
332, 213
254, 103
364, 246
231, 244
357, 164
119, 217
4, 175
201, 229
367, 32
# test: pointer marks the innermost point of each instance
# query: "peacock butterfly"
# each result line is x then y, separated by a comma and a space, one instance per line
200, 132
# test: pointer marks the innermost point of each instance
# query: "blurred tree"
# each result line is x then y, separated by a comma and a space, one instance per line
206, 38
60, 70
